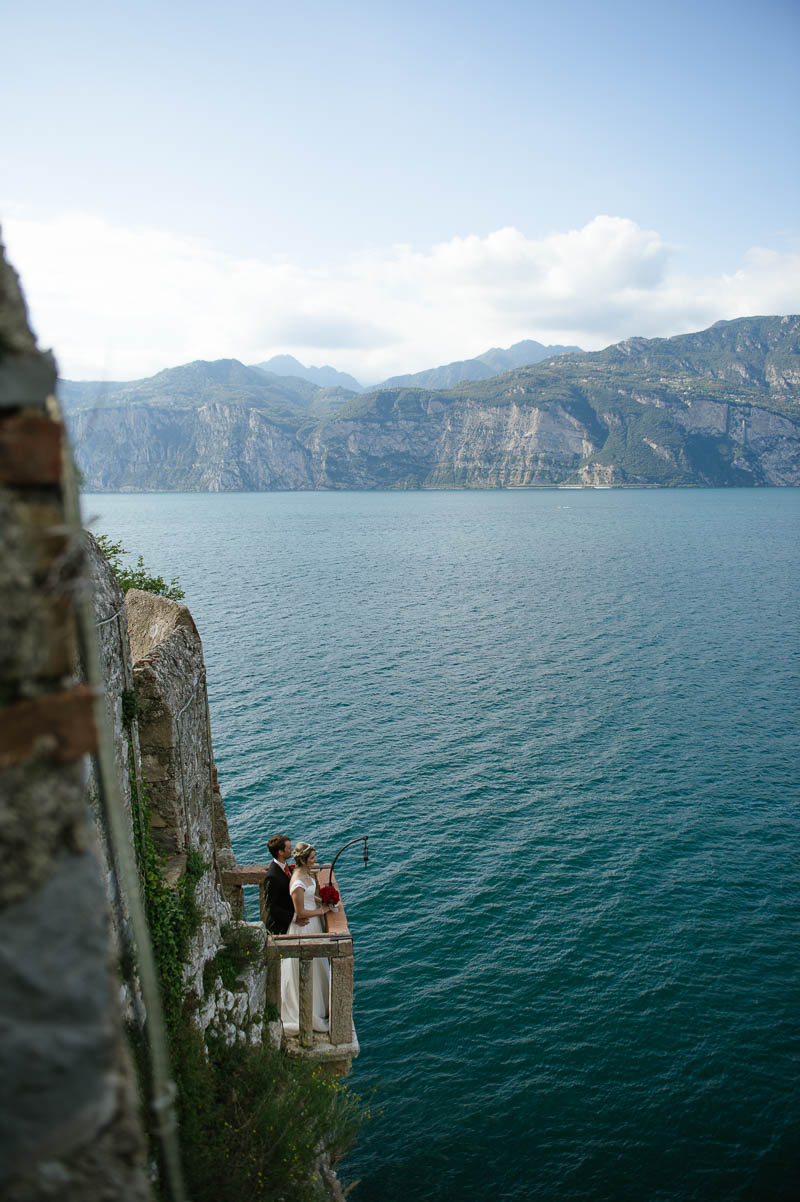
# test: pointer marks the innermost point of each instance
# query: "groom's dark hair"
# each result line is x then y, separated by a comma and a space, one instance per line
275, 844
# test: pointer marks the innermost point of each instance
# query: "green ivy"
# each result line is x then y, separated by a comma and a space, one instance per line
241, 948
172, 914
130, 706
196, 868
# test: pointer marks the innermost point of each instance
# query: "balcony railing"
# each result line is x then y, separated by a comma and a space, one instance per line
336, 945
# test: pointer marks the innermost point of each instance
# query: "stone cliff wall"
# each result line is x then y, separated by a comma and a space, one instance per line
70, 1124
172, 710
767, 443
110, 630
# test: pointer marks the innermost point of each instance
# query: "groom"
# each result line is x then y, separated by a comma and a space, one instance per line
280, 910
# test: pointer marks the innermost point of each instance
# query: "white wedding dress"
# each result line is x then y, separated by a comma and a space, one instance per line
320, 973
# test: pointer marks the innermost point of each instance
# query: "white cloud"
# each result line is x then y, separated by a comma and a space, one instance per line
119, 303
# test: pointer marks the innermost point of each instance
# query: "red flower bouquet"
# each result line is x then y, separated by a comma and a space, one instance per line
329, 894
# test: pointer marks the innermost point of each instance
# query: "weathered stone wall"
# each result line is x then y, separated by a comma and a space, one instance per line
236, 1015
111, 636
111, 633
70, 1126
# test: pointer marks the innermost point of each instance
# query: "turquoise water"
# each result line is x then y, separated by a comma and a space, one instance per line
569, 723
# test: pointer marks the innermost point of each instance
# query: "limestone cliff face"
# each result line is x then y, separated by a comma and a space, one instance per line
435, 443
152, 664
216, 448
767, 444
466, 444
111, 631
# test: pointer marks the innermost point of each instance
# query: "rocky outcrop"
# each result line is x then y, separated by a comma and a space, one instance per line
172, 717
187, 813
175, 730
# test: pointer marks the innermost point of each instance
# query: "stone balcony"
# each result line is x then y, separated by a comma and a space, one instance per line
339, 1045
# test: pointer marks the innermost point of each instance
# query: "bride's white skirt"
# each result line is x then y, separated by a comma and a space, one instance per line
321, 983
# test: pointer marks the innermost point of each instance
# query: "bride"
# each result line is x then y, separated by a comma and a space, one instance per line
303, 892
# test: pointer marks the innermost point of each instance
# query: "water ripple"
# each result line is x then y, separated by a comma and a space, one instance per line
571, 732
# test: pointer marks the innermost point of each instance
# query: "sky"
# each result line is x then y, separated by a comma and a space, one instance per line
387, 187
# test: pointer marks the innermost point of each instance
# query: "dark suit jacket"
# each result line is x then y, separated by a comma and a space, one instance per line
279, 903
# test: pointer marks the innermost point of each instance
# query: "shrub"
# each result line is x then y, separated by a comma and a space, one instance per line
254, 1121
172, 914
138, 576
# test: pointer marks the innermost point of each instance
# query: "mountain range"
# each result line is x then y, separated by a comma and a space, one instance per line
290, 385
323, 377
492, 363
201, 383
718, 407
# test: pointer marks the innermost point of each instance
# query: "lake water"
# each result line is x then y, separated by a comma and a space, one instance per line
568, 722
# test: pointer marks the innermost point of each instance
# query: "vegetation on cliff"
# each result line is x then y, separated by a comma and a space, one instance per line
750, 361
137, 576
254, 1122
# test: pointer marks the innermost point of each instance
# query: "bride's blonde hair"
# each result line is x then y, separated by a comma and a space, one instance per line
302, 852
